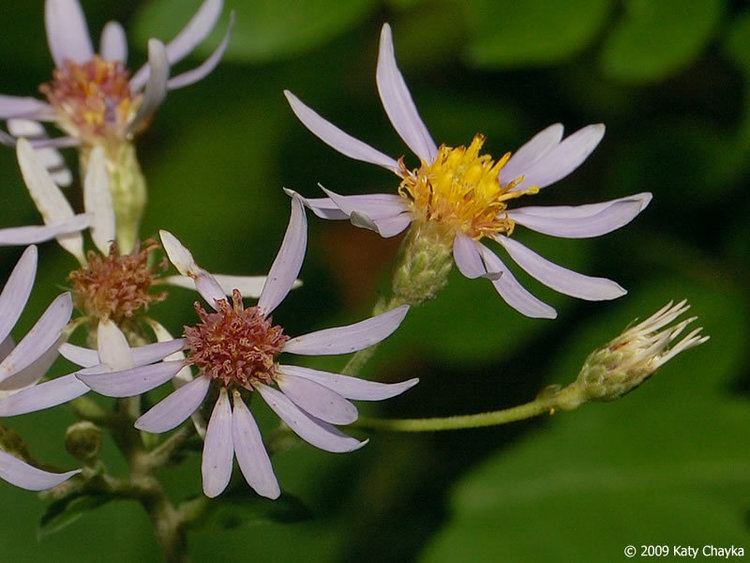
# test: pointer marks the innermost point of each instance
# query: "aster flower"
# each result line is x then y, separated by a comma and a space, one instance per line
461, 197
92, 96
235, 349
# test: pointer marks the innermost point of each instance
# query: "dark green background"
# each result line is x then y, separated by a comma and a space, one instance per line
669, 464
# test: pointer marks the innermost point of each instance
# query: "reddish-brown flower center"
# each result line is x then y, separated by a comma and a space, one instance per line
235, 345
93, 100
117, 286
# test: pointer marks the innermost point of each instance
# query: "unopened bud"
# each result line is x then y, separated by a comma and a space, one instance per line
631, 358
83, 440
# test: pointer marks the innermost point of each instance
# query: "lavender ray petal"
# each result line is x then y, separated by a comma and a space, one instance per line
350, 338
112, 346
38, 340
43, 396
468, 257
324, 207
17, 106
398, 103
32, 373
317, 400
25, 476
207, 66
33, 234
350, 387
218, 448
97, 201
16, 292
532, 152
251, 453
317, 433
6, 346
67, 32
513, 293
338, 139
564, 158
113, 45
288, 262
49, 157
196, 30
391, 226
176, 408
375, 206
209, 288
133, 381
248, 286
142, 355
156, 88
559, 278
609, 217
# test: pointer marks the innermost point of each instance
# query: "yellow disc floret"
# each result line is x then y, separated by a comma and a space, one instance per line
462, 191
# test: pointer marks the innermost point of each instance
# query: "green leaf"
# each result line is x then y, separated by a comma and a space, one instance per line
512, 34
265, 29
242, 507
656, 39
737, 42
667, 464
63, 512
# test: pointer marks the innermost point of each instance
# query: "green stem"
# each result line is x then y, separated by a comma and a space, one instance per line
566, 399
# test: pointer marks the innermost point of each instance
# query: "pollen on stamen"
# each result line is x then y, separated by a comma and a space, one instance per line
461, 190
235, 345
117, 286
93, 100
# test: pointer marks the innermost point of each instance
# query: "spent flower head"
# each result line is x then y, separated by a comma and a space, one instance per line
236, 351
458, 196
632, 357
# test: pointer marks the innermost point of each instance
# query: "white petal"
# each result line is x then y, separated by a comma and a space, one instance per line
398, 103
336, 138
513, 293
43, 396
532, 152
32, 373
21, 474
176, 408
218, 449
38, 340
251, 453
182, 259
286, 266
16, 291
317, 400
67, 32
196, 30
248, 286
207, 66
351, 387
467, 256
50, 157
156, 87
112, 346
141, 355
559, 278
48, 198
131, 382
582, 221
113, 45
16, 106
315, 432
350, 338
97, 200
33, 234
564, 158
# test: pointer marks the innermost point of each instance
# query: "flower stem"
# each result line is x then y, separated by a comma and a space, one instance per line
568, 398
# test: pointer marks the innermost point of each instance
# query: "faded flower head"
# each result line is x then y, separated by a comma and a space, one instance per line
92, 96
118, 286
632, 357
462, 198
237, 351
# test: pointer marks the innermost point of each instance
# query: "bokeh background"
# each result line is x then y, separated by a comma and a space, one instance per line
669, 464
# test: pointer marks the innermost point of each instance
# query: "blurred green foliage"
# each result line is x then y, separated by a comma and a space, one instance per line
667, 464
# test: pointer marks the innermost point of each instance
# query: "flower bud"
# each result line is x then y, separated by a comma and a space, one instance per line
631, 358
83, 440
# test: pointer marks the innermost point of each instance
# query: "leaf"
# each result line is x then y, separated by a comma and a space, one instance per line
510, 34
265, 29
242, 507
63, 512
656, 39
667, 464
737, 42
